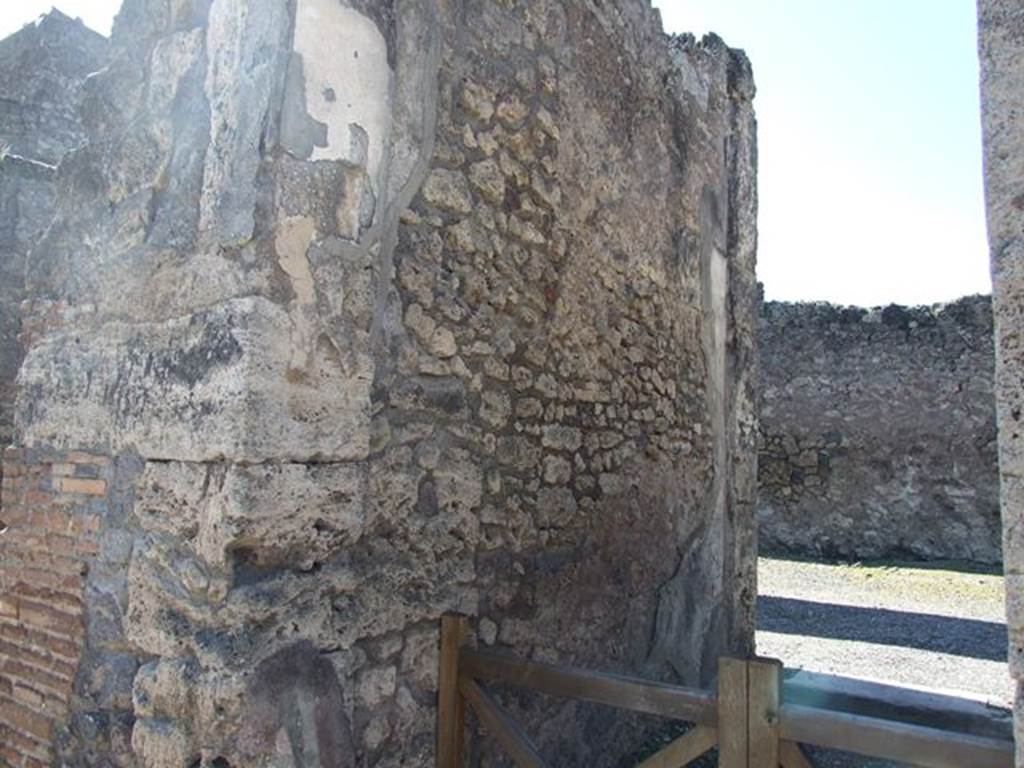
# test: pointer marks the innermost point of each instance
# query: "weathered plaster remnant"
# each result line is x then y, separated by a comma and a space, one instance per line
464, 322
878, 431
1001, 49
347, 81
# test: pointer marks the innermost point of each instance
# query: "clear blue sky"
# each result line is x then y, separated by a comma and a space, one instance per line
869, 138
870, 149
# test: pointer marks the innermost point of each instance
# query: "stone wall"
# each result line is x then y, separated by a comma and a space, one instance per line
1001, 49
878, 434
26, 206
42, 68
373, 311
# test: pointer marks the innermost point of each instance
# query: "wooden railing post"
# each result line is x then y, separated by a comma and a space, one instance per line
764, 694
732, 713
451, 707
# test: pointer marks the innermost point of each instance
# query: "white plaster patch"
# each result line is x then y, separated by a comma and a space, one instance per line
294, 236
345, 64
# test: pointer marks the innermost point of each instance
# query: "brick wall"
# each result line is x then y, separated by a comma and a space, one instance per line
51, 507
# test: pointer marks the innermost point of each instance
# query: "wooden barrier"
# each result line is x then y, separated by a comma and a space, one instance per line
747, 718
451, 712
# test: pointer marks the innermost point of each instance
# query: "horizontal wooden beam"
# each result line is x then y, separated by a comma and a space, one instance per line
501, 725
892, 740
930, 708
871, 736
620, 691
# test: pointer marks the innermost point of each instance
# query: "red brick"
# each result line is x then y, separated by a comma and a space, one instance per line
64, 669
13, 469
15, 633
40, 660
41, 593
38, 679
38, 497
23, 719
44, 642
43, 617
72, 583
87, 547
34, 656
22, 636
61, 647
27, 539
26, 745
83, 485
65, 563
8, 606
51, 520
13, 515
59, 544
68, 584
74, 525
28, 696
81, 457
62, 554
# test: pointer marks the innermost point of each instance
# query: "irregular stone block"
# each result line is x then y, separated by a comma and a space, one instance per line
245, 380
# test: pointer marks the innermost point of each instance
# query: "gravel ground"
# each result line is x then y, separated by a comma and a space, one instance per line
939, 627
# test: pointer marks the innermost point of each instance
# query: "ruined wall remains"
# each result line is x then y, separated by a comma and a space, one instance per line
356, 313
878, 434
42, 68
1001, 51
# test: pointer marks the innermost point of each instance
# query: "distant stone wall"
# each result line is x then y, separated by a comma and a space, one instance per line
42, 70
378, 310
1001, 51
878, 435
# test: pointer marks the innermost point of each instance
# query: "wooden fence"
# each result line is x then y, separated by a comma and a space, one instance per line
747, 717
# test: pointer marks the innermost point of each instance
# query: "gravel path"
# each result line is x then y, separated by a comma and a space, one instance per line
907, 625
933, 627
